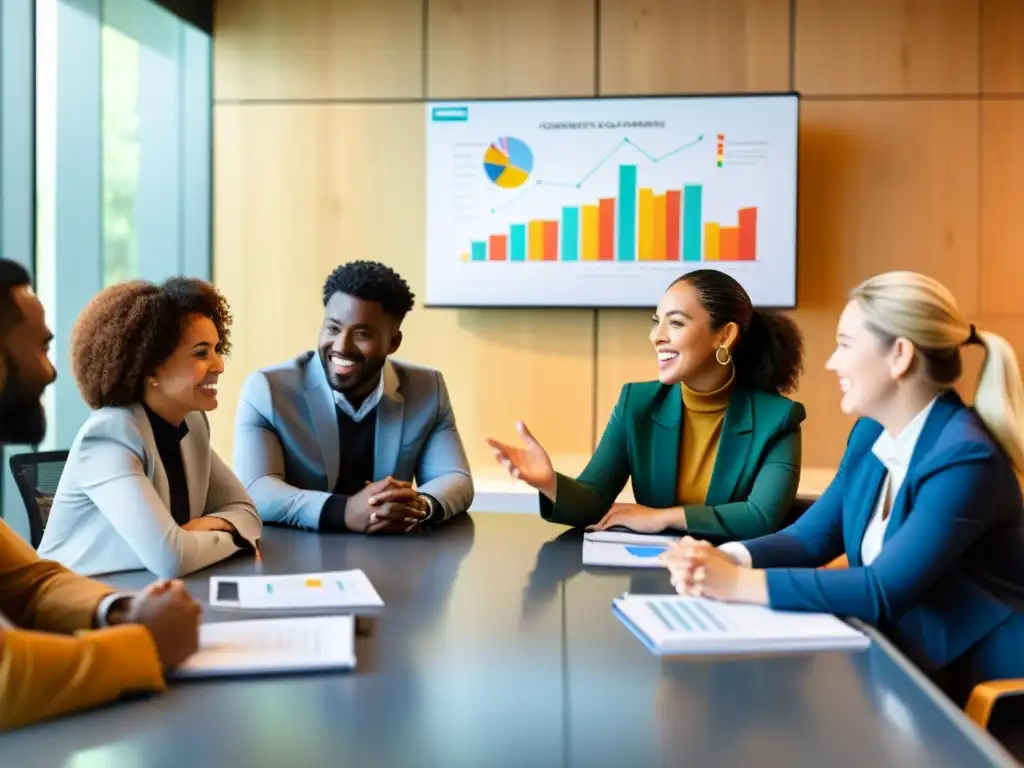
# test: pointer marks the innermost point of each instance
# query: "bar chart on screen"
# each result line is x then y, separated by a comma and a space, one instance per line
639, 224
601, 202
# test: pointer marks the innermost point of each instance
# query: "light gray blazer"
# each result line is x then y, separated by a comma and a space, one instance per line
112, 513
287, 446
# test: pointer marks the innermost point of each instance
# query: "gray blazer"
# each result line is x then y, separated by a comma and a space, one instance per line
287, 449
112, 513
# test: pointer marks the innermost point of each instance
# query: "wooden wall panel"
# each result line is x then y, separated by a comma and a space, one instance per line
1002, 60
887, 185
318, 49
826, 428
496, 48
887, 47
266, 239
624, 354
883, 185
298, 190
692, 46
1002, 192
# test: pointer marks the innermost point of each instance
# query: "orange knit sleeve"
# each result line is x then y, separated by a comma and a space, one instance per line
43, 675
41, 594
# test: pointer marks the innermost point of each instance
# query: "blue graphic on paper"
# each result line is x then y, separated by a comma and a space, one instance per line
645, 551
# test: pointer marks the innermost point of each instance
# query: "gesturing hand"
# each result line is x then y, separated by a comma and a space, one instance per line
531, 463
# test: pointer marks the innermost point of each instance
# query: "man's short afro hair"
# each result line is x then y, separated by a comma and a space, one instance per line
371, 281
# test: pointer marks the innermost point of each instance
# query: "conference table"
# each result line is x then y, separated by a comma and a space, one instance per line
496, 648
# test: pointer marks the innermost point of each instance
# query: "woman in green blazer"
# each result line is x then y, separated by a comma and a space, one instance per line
712, 447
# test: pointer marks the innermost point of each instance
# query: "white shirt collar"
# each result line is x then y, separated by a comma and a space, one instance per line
371, 402
895, 453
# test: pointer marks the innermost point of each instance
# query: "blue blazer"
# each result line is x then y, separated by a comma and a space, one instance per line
952, 565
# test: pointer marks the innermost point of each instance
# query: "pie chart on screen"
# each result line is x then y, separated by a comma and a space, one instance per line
508, 162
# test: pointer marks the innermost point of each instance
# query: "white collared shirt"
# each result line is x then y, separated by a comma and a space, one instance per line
895, 454
371, 402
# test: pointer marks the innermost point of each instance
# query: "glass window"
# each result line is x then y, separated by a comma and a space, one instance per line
17, 211
119, 69
155, 77
122, 160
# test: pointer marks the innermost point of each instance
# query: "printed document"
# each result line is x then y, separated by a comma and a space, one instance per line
624, 550
295, 594
272, 646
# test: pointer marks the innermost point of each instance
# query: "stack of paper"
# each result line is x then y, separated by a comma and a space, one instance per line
302, 594
272, 646
689, 625
624, 550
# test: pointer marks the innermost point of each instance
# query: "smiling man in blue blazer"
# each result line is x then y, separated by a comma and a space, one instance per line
332, 440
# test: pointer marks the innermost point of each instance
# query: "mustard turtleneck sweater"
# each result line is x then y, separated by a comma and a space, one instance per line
703, 415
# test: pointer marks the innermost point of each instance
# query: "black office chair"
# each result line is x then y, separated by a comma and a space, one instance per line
37, 475
800, 505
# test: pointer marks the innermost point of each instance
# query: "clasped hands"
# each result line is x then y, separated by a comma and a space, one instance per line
698, 569
386, 506
695, 567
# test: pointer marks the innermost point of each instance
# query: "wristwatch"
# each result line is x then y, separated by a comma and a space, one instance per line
436, 510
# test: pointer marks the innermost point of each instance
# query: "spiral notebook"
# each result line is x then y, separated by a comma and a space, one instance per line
677, 625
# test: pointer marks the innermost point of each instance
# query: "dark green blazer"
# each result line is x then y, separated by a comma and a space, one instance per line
753, 483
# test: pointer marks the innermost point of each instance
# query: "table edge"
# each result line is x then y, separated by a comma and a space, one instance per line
984, 741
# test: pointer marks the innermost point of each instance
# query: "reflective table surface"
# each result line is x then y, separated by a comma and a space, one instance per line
496, 648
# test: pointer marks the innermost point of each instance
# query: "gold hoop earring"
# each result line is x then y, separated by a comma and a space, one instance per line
718, 355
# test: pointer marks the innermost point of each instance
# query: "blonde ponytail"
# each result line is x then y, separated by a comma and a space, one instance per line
920, 309
999, 398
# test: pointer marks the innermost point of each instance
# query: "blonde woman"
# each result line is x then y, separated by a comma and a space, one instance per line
926, 504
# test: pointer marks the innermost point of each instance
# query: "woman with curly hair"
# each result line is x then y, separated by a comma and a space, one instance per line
142, 487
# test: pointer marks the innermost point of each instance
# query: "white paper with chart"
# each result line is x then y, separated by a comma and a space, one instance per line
295, 594
669, 624
617, 549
